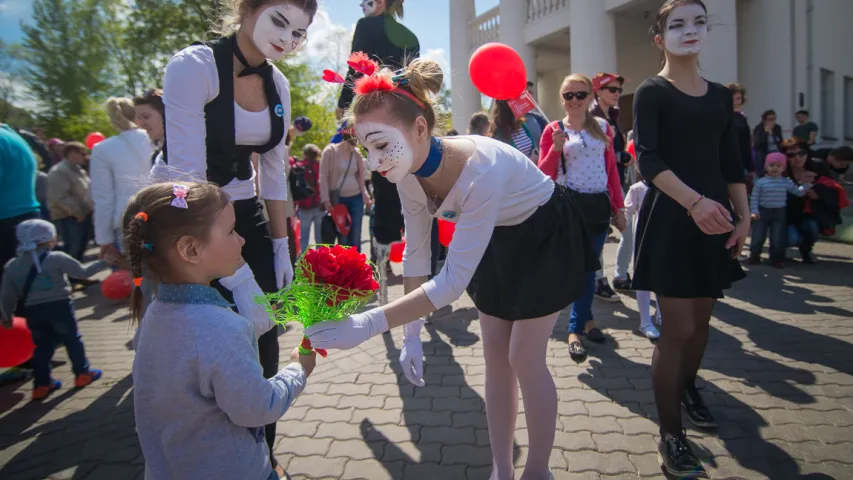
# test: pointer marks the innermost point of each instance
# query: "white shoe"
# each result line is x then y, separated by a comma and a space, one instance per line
650, 332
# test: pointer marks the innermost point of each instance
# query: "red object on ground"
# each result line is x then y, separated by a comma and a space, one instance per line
94, 138
397, 249
16, 344
118, 285
445, 232
498, 71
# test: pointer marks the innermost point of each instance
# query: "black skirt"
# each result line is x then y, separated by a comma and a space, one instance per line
673, 258
537, 267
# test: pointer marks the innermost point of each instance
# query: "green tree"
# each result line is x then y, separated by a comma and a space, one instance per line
307, 100
92, 118
67, 61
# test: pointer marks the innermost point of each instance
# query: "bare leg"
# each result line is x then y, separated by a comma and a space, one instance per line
527, 353
501, 394
382, 253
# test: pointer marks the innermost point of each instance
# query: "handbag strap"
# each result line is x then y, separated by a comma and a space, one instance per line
562, 153
31, 277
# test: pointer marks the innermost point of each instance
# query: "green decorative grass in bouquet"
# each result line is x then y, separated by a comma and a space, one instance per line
330, 283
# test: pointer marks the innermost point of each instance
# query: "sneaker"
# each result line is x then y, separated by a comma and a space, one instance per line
86, 378
678, 459
40, 393
650, 331
604, 292
697, 411
622, 283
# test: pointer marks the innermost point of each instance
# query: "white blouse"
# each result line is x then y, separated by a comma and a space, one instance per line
498, 186
191, 82
586, 169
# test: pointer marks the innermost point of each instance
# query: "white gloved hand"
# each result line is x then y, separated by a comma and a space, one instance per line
349, 332
244, 288
281, 262
412, 353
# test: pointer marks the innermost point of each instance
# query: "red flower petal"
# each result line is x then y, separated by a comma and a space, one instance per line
332, 77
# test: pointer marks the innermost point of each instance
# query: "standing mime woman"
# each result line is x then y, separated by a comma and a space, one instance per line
384, 39
693, 222
224, 101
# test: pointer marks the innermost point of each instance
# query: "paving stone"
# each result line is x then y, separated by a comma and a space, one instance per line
354, 449
434, 470
582, 423
361, 401
378, 416
372, 470
316, 467
303, 445
618, 442
602, 463
468, 455
448, 435
329, 414
573, 441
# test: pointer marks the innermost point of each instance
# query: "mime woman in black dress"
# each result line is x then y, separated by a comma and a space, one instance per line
694, 221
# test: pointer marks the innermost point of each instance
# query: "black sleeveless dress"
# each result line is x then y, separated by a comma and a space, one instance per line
695, 138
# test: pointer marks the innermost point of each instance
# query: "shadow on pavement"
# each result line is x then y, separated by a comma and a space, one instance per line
431, 406
100, 436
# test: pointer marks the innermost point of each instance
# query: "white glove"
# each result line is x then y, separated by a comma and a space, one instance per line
349, 332
245, 290
281, 262
412, 353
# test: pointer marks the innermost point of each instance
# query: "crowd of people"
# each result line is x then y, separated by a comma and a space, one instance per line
200, 196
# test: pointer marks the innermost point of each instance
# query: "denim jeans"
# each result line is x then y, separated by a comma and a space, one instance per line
53, 324
355, 206
582, 307
772, 221
75, 235
309, 217
804, 235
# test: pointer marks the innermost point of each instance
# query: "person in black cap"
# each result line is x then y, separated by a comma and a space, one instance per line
225, 101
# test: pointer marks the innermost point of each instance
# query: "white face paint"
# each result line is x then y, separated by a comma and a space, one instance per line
686, 30
388, 151
369, 7
280, 29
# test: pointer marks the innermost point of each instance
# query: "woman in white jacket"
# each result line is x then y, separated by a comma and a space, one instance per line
119, 168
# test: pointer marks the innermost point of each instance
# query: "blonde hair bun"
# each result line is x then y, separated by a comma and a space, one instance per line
121, 113
425, 78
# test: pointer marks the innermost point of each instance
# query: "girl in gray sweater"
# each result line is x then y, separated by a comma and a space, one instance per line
200, 398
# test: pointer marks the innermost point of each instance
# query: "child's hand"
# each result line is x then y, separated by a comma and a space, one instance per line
308, 362
756, 216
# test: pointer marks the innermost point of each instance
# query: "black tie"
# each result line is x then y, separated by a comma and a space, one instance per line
248, 69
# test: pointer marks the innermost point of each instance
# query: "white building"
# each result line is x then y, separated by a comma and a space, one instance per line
789, 54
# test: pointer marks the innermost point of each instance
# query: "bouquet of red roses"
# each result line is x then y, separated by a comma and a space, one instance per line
330, 283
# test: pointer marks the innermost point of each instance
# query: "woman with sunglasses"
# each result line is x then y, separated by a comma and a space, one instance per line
818, 210
577, 152
226, 101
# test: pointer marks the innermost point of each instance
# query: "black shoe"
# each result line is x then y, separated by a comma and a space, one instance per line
808, 258
622, 284
604, 292
577, 351
595, 335
678, 459
697, 411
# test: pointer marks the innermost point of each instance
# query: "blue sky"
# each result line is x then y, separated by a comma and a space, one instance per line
427, 18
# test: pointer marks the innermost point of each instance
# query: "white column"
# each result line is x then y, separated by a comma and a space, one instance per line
592, 35
465, 99
718, 60
513, 24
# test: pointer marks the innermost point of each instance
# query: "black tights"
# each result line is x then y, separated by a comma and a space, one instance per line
678, 354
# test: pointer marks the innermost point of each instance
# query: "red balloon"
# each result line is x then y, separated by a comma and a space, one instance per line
397, 248
94, 138
118, 285
498, 71
445, 232
16, 344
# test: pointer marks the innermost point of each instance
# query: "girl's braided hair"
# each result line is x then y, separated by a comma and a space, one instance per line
151, 227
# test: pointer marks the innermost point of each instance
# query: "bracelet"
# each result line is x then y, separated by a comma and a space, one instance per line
693, 205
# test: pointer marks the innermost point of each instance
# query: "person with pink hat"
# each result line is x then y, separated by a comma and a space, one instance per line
768, 208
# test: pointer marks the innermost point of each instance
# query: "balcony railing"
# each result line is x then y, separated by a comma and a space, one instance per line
485, 28
537, 9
